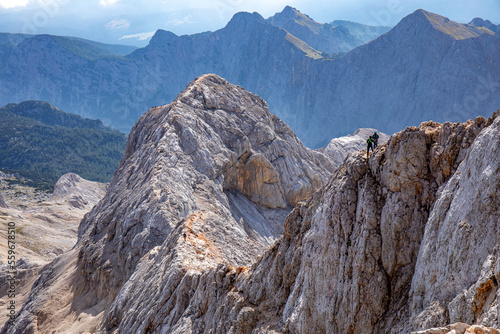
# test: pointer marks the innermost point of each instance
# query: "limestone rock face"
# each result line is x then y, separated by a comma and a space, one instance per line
338, 148
404, 241
78, 192
460, 328
206, 182
350, 255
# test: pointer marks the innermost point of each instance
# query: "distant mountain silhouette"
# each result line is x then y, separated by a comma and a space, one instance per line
426, 67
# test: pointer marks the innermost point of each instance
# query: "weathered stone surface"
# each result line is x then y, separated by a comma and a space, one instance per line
205, 183
346, 261
44, 230
78, 192
460, 328
404, 241
464, 217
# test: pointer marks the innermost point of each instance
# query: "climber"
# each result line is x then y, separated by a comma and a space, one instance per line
375, 140
369, 142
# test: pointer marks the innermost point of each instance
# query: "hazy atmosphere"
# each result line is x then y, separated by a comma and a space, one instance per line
134, 22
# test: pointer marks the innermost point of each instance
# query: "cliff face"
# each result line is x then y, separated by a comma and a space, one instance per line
384, 247
425, 68
205, 181
403, 241
360, 255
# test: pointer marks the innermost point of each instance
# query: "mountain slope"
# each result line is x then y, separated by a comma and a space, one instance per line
359, 255
322, 37
206, 181
427, 67
41, 142
412, 73
351, 255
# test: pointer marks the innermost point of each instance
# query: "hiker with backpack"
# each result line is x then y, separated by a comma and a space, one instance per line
370, 143
375, 140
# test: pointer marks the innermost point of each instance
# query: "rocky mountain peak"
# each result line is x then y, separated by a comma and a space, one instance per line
244, 19
290, 13
78, 192
422, 18
162, 38
174, 236
214, 165
479, 22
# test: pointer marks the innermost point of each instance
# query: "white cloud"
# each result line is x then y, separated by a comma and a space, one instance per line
186, 19
13, 3
117, 24
107, 2
140, 36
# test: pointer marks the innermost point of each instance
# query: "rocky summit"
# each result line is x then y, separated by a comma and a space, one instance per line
187, 238
205, 183
184, 239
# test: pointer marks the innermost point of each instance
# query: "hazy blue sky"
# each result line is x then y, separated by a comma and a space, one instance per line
129, 21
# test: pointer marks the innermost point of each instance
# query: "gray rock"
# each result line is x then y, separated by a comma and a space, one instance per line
2, 203
78, 192
205, 184
403, 240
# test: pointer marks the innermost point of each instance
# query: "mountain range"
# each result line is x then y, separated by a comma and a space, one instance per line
426, 67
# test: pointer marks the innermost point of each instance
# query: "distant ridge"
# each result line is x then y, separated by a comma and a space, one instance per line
41, 143
451, 28
322, 37
426, 67
363, 32
479, 22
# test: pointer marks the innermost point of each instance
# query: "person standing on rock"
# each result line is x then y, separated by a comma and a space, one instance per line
375, 140
369, 142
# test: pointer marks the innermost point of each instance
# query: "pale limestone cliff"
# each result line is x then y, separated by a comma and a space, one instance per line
357, 256
346, 262
404, 241
206, 181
